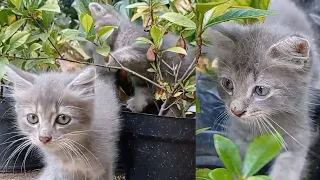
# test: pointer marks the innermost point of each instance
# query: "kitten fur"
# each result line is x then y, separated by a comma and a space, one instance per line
277, 54
133, 56
85, 148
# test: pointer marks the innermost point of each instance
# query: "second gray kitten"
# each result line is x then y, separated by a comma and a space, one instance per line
72, 118
264, 72
133, 56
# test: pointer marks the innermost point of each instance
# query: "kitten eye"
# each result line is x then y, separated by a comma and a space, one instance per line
262, 90
227, 84
63, 119
32, 118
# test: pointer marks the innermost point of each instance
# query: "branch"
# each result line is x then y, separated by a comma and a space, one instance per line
184, 76
136, 74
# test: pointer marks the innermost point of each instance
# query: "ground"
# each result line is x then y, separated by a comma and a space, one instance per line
32, 176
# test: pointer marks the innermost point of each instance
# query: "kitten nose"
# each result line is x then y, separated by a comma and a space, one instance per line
45, 140
238, 113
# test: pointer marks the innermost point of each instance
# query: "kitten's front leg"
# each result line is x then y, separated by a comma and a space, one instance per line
53, 173
288, 165
129, 56
142, 97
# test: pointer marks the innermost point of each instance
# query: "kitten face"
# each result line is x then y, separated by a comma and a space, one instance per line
259, 78
53, 109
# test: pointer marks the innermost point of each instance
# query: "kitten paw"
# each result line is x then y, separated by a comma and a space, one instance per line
137, 104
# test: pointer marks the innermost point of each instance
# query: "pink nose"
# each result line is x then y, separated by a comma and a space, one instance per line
45, 140
238, 113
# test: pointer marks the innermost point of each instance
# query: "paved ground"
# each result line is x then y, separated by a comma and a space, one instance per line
32, 176
19, 176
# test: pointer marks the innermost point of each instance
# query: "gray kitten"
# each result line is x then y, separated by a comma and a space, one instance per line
72, 118
133, 55
264, 73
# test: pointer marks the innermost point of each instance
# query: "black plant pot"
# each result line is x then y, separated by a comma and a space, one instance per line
159, 148
9, 141
151, 147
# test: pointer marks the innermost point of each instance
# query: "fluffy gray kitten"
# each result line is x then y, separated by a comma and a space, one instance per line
263, 77
132, 55
72, 118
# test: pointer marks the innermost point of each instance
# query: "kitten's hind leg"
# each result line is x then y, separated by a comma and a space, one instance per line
289, 165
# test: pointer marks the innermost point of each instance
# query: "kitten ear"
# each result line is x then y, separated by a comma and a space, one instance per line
84, 83
97, 10
21, 80
293, 51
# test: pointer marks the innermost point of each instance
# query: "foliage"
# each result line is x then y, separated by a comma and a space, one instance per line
260, 152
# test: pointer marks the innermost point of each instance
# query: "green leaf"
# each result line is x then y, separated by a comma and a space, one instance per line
135, 5
3, 62
47, 19
240, 13
178, 50
50, 8
228, 153
220, 174
203, 173
259, 178
258, 4
13, 28
204, 7
260, 152
202, 178
151, 70
179, 20
143, 39
103, 50
105, 32
198, 108
19, 39
34, 47
199, 131
157, 35
16, 3
87, 22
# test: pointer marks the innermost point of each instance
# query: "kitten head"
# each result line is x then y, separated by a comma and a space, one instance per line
53, 109
104, 15
261, 73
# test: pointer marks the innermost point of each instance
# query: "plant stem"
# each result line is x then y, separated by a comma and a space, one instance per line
136, 74
184, 77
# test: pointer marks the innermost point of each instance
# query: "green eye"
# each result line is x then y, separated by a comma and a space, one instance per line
262, 90
63, 119
32, 118
227, 84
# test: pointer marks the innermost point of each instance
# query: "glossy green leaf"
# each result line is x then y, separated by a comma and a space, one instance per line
50, 8
240, 13
13, 28
259, 4
18, 39
16, 3
179, 20
34, 47
228, 153
105, 32
199, 131
143, 39
157, 35
179, 50
47, 17
203, 173
3, 62
135, 5
87, 22
204, 7
260, 152
220, 174
82, 6
259, 178
103, 50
